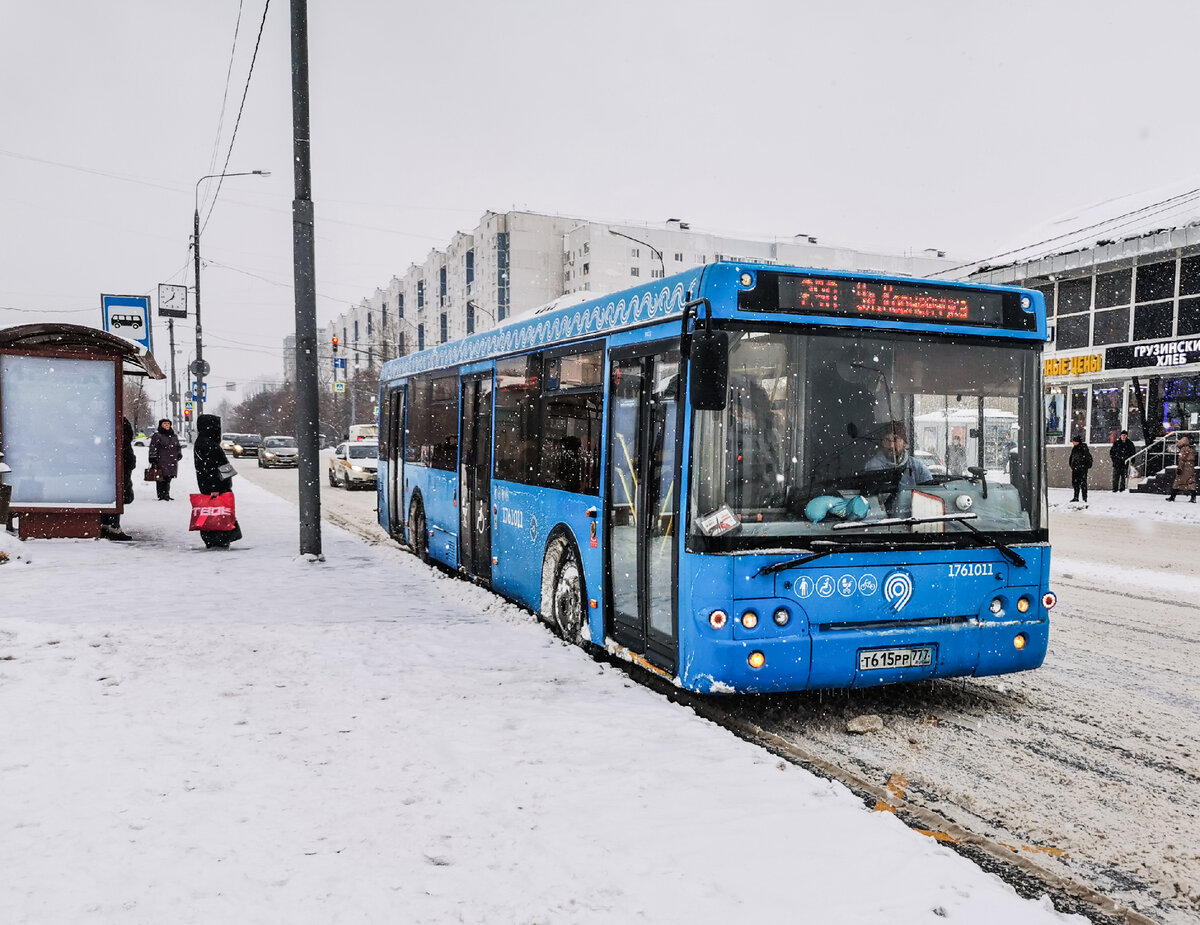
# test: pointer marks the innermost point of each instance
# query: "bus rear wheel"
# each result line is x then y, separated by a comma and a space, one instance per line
418, 539
568, 609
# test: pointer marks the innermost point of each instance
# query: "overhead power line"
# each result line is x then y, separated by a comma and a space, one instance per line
1134, 214
241, 108
237, 26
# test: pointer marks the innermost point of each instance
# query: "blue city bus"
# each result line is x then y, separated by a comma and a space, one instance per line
744, 477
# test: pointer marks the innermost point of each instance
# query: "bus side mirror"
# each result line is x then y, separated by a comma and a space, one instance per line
710, 369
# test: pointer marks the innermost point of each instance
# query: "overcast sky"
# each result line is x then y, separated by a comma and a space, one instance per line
881, 125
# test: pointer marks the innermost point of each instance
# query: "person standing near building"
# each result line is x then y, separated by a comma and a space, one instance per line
956, 457
110, 524
1185, 478
1080, 462
1120, 453
165, 454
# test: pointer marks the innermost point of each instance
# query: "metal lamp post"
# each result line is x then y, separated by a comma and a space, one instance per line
200, 369
654, 250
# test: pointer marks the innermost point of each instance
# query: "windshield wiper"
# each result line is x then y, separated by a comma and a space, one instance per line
808, 557
1010, 554
1007, 551
904, 521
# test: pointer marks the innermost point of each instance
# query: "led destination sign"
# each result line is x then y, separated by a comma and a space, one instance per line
875, 299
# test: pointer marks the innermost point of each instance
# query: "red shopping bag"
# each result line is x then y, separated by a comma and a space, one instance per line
213, 512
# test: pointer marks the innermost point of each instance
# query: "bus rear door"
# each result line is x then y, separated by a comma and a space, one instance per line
474, 477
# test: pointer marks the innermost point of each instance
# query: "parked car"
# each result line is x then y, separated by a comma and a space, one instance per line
278, 451
932, 463
246, 444
354, 464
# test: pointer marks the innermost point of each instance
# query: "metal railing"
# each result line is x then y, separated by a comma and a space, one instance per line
1160, 455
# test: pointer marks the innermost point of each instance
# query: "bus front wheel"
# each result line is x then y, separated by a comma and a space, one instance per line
568, 609
418, 539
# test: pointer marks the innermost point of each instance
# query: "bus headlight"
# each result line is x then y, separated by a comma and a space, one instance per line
1019, 641
756, 660
1049, 599
717, 619
749, 619
997, 605
781, 617
1023, 605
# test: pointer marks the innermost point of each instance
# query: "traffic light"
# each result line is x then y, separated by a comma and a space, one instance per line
335, 344
187, 414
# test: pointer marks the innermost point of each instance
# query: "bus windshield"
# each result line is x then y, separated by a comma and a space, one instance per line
867, 438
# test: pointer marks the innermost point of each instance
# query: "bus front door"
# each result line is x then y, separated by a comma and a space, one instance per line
474, 478
641, 504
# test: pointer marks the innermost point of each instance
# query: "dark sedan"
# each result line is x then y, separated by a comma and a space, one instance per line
246, 444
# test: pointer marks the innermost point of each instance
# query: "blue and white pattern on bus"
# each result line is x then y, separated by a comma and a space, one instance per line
586, 318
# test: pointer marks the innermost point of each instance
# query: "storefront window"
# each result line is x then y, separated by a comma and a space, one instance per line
1135, 414
1111, 327
1106, 413
1112, 289
1181, 402
1075, 295
1071, 331
1189, 316
1056, 416
1156, 281
1153, 322
1079, 399
1189, 276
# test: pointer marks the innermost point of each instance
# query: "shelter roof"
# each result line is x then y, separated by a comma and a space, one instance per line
136, 359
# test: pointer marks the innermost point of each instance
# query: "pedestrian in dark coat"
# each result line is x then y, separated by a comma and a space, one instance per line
165, 454
209, 457
110, 524
1185, 477
1120, 453
1080, 462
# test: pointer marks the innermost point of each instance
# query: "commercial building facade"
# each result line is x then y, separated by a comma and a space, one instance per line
1124, 352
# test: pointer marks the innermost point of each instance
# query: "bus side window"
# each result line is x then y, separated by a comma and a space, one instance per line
518, 440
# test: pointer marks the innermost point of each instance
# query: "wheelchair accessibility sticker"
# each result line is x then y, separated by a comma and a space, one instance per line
846, 585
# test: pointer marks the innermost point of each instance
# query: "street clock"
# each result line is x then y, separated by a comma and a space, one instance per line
172, 301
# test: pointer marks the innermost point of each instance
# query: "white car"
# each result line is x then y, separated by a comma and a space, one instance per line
932, 463
354, 464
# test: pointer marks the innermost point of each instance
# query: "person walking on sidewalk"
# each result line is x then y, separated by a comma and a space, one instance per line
1120, 453
165, 454
1080, 462
209, 458
1185, 477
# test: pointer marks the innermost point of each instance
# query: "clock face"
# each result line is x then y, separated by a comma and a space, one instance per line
172, 300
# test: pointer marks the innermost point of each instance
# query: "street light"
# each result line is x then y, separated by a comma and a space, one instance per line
654, 250
475, 307
201, 371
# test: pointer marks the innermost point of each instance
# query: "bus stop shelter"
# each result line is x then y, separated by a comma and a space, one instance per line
61, 396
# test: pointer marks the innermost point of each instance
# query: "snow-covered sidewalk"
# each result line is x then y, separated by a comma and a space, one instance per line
240, 735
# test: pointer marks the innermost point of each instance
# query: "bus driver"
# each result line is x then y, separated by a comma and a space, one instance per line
893, 454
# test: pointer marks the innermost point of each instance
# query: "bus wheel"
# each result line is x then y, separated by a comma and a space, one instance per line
418, 540
568, 608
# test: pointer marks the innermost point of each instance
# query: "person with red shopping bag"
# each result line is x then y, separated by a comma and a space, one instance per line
213, 511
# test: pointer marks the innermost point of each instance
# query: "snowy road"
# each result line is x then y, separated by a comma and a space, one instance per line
1090, 765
